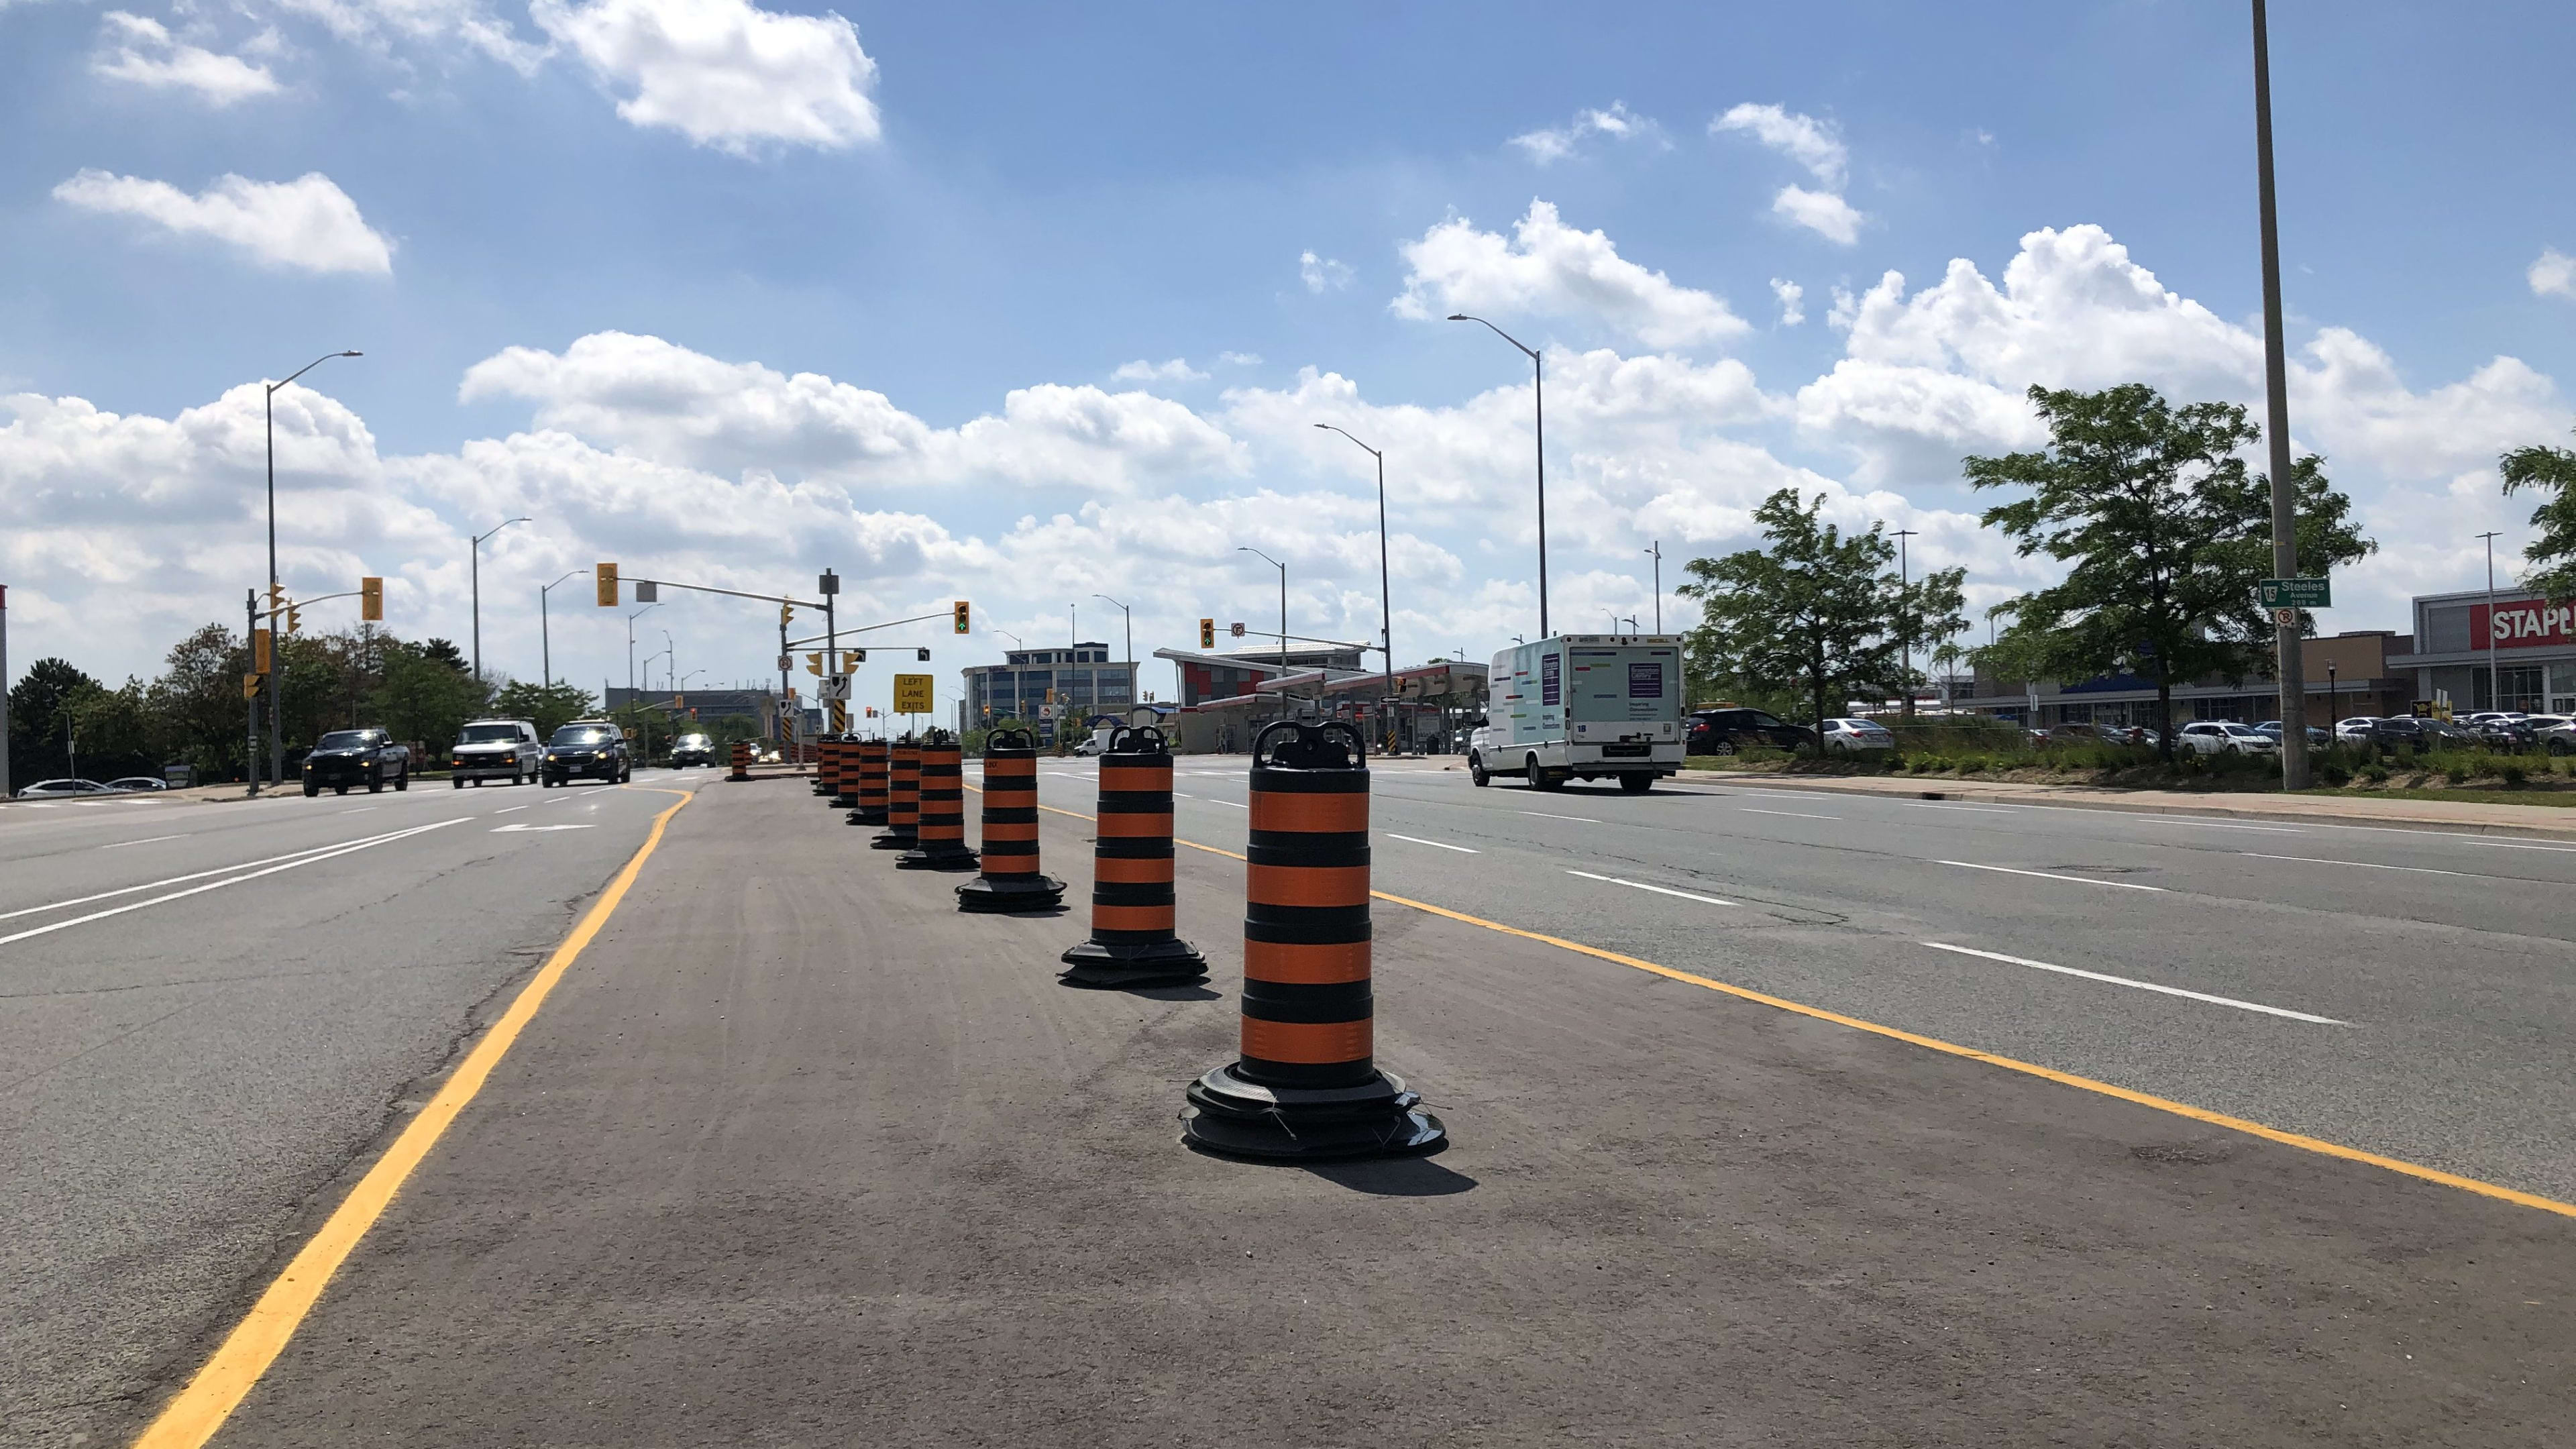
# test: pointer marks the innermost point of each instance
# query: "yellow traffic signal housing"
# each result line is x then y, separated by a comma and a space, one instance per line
250, 686
371, 599
608, 586
786, 614
961, 618
814, 664
262, 656
276, 597
294, 617
1207, 633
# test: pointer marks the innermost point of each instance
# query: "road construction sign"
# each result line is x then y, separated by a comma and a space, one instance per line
912, 694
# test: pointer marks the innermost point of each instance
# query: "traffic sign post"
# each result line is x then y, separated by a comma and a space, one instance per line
2297, 594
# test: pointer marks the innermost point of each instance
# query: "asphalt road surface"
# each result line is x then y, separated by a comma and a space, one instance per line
795, 1154
206, 1011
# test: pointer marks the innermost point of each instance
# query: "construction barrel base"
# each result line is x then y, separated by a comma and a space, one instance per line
1011, 893
936, 855
1114, 967
1234, 1117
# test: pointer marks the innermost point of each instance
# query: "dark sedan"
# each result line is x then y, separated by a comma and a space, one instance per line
1725, 731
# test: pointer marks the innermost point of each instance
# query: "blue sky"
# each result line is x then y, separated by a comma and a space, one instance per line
790, 287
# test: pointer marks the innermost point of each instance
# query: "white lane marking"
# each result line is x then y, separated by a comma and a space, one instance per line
2516, 845
196, 875
1638, 885
213, 885
2221, 824
1792, 814
1434, 844
507, 809
1183, 795
1230, 805
1577, 819
2374, 865
2140, 985
2052, 875
147, 840
361, 810
1937, 805
517, 825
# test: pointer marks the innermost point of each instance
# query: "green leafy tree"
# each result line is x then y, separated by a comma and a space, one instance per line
40, 724
196, 705
2166, 534
2551, 471
551, 706
1815, 612
426, 696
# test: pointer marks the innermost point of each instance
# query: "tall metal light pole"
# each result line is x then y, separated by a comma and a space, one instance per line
630, 648
1016, 669
1385, 590
1131, 652
545, 641
476, 570
4, 691
1538, 398
2495, 693
1283, 618
1657, 549
2276, 396
277, 672
1904, 624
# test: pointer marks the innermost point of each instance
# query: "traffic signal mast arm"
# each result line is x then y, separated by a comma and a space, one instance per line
864, 628
732, 593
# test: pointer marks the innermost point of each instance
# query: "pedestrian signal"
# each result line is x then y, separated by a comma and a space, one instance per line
958, 610
1207, 633
371, 599
607, 586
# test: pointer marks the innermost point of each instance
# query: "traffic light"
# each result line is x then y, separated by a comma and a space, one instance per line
1207, 633
679, 701
858, 656
958, 612
262, 657
250, 686
608, 586
371, 599
814, 664
294, 617
276, 598
786, 614
921, 654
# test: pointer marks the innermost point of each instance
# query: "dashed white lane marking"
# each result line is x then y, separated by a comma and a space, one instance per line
2052, 875
361, 810
331, 853
1434, 844
2281, 1011
507, 809
147, 840
2221, 824
2374, 865
1638, 885
1230, 805
1577, 819
1793, 814
1937, 805
2516, 845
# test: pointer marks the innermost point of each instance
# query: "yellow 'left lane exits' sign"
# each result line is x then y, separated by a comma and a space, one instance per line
912, 694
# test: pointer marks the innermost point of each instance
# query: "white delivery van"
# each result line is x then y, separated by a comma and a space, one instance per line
1583, 707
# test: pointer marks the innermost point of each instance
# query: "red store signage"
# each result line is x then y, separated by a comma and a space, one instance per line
2523, 626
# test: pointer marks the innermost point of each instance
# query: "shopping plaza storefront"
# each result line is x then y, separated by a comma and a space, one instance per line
2517, 653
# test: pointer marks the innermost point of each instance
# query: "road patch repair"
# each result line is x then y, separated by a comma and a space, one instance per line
797, 1152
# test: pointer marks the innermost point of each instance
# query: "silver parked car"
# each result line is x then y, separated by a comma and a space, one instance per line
62, 789
1851, 736
2226, 737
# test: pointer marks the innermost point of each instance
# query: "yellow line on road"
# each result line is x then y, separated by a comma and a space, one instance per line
191, 1418
2010, 1064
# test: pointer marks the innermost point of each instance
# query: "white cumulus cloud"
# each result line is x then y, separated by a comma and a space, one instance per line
1321, 274
140, 50
1176, 370
725, 73
1822, 212
308, 223
1550, 268
1816, 145
1556, 143
2553, 275
1790, 295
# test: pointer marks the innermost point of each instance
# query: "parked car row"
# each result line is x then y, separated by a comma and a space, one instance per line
64, 789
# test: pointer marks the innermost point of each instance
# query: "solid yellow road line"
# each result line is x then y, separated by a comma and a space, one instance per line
200, 1409
2010, 1064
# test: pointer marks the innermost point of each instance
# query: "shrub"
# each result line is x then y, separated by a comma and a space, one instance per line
2514, 774
2334, 773
1971, 764
2375, 772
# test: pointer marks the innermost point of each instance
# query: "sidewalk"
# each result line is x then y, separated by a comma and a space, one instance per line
2471, 815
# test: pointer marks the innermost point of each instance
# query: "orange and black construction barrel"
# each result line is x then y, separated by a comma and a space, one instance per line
826, 761
939, 835
741, 761
876, 762
1133, 942
1011, 880
903, 798
845, 774
1306, 1084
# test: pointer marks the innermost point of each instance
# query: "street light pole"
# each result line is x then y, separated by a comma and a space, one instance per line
1538, 398
2495, 694
1131, 652
630, 648
277, 674
1904, 625
2292, 676
1283, 618
1385, 590
1017, 670
1658, 551
476, 572
545, 640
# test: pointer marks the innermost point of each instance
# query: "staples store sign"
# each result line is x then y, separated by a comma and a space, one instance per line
2522, 626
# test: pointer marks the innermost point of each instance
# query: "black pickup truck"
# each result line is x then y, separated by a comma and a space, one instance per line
344, 758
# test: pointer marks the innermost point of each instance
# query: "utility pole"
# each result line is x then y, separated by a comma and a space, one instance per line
2287, 668
2495, 694
4, 691
1904, 626
250, 698
830, 584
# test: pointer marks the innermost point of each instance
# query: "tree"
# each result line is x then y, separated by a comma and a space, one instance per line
196, 705
40, 729
550, 706
2553, 556
426, 695
2167, 535
1815, 612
